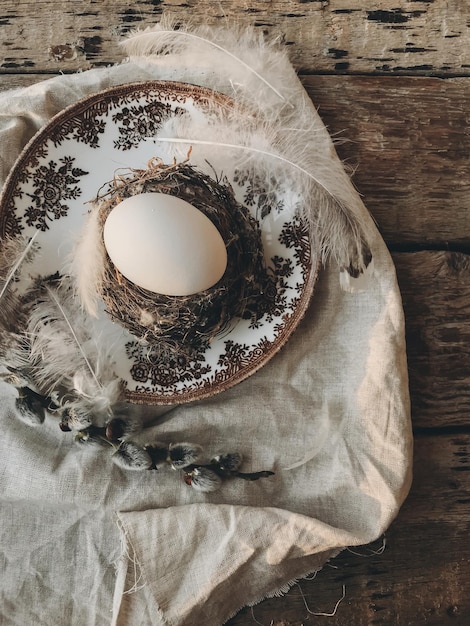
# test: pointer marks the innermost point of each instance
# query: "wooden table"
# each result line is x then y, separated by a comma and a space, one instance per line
393, 81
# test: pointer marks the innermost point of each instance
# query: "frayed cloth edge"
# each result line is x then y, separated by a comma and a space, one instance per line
128, 557
281, 591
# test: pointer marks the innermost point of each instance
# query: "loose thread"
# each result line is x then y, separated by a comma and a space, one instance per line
256, 621
137, 574
316, 614
332, 614
379, 551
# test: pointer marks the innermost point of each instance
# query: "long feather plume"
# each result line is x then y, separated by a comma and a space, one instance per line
14, 253
238, 60
75, 340
65, 356
254, 151
273, 128
168, 36
299, 160
86, 264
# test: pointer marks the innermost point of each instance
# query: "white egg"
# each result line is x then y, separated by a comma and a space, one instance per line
164, 244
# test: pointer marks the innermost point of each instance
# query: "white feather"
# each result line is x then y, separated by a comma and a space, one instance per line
101, 399
15, 256
65, 356
86, 263
273, 123
237, 59
302, 161
14, 252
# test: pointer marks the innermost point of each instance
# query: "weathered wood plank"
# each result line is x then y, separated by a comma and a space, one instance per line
407, 141
14, 81
435, 288
322, 35
422, 575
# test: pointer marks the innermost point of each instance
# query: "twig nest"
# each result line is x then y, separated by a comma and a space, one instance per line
189, 322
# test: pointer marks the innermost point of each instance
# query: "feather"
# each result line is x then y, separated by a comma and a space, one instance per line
48, 345
85, 265
14, 252
65, 356
273, 129
240, 55
69, 330
299, 163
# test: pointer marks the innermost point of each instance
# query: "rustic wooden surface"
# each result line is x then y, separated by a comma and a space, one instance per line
392, 82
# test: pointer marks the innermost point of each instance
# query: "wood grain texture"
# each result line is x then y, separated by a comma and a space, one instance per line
405, 135
406, 141
410, 37
435, 288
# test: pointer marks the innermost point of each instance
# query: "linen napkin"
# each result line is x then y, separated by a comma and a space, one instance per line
83, 542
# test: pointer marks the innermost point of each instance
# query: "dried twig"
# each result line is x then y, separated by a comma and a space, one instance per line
187, 324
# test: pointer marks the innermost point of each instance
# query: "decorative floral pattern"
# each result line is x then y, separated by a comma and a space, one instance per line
141, 121
296, 236
259, 193
12, 225
53, 184
85, 127
157, 369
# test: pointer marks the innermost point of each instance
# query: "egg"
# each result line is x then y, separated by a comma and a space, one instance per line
164, 244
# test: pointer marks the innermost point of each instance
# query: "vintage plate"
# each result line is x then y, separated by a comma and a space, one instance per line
79, 151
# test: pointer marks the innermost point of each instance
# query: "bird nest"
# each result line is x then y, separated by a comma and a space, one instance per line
188, 323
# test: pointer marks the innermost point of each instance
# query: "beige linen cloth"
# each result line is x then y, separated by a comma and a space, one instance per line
84, 543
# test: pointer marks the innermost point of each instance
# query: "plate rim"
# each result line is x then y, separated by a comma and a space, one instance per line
213, 97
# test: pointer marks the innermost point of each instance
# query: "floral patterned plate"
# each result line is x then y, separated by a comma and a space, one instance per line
80, 150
